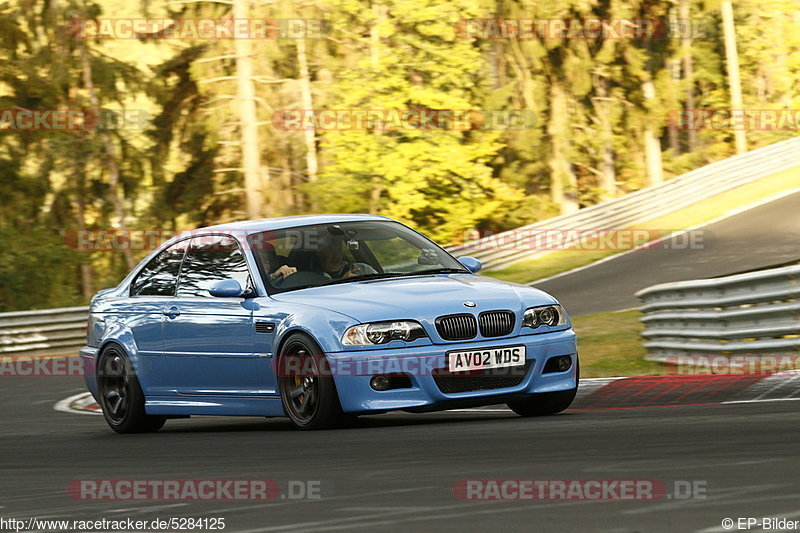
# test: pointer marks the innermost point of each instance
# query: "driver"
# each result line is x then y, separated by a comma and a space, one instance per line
330, 262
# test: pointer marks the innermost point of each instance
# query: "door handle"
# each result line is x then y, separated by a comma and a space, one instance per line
172, 312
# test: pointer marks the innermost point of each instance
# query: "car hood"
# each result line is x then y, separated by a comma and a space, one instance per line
418, 297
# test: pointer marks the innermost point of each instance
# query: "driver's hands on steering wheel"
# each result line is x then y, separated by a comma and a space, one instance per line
284, 271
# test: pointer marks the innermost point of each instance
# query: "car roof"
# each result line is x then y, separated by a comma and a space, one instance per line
270, 224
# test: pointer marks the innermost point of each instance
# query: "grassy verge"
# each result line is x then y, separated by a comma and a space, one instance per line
699, 213
609, 345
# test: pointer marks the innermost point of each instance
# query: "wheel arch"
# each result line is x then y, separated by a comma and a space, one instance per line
122, 336
281, 341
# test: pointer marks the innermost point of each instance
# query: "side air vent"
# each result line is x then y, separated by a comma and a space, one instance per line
265, 327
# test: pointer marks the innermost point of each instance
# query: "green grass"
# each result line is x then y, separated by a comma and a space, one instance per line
609, 345
694, 215
547, 265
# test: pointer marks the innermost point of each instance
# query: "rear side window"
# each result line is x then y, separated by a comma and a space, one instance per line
210, 259
160, 275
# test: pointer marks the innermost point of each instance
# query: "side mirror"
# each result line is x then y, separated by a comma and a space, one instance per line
227, 288
472, 264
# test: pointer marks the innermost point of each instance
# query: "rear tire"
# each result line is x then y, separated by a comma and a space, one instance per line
121, 396
548, 403
308, 392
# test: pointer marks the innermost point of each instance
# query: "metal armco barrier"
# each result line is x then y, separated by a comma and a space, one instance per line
48, 331
642, 205
756, 313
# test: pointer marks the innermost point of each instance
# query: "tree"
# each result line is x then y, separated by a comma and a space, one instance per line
410, 58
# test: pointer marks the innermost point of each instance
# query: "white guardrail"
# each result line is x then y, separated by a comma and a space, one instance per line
755, 313
48, 331
639, 206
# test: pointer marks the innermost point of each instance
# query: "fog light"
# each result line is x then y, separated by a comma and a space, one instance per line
381, 383
558, 364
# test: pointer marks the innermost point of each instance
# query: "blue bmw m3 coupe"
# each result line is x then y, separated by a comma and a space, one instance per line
319, 319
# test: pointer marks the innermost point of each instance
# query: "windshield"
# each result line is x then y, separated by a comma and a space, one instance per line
326, 254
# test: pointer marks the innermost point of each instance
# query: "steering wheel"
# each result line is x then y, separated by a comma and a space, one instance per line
298, 279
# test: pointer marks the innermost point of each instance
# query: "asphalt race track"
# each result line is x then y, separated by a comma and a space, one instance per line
396, 472
763, 236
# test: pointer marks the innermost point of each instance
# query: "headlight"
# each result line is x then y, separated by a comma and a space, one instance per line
548, 315
382, 332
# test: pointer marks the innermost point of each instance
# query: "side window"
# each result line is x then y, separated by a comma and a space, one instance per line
159, 276
210, 259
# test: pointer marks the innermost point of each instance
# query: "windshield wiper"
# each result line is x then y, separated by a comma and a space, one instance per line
445, 270
363, 277
386, 275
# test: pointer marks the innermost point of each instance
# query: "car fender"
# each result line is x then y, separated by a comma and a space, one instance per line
325, 327
118, 333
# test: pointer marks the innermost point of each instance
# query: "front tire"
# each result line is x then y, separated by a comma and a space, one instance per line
307, 389
121, 396
548, 403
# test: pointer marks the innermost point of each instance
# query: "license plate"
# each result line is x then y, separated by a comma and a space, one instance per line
464, 360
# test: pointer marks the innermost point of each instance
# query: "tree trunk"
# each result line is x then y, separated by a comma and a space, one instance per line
379, 12
564, 183
608, 176
688, 72
652, 144
87, 288
307, 102
375, 195
287, 185
734, 82
672, 127
523, 72
111, 164
248, 119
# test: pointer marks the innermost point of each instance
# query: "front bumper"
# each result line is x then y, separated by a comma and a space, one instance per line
353, 370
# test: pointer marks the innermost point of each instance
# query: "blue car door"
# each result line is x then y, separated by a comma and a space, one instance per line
209, 340
152, 293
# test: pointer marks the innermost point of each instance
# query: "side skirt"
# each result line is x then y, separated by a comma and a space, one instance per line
214, 405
